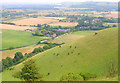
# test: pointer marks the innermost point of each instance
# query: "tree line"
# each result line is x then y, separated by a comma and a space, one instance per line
19, 57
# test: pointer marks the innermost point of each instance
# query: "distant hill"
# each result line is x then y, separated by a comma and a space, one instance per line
94, 5
91, 54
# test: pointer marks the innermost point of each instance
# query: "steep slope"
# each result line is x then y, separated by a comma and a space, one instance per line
90, 54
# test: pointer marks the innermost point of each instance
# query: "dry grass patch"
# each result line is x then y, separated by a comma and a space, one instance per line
17, 10
13, 27
95, 12
11, 53
70, 24
35, 21
114, 14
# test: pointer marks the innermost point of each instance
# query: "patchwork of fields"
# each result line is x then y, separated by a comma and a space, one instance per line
44, 20
69, 41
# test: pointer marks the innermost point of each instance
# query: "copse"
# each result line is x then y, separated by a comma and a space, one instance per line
37, 50
10, 61
46, 47
18, 56
7, 63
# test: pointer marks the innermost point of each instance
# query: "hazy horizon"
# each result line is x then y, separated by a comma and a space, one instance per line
49, 1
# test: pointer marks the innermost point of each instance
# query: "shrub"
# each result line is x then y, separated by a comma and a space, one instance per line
57, 54
60, 46
68, 53
71, 77
114, 26
112, 69
46, 47
87, 76
25, 54
11, 48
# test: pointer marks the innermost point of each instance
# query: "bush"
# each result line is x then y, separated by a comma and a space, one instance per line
112, 69
87, 76
114, 26
46, 47
11, 48
71, 77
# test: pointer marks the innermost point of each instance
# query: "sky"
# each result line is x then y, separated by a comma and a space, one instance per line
51, 1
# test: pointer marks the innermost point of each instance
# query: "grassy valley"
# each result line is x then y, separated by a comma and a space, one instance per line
69, 41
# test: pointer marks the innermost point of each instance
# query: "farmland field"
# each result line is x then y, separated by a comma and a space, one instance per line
11, 38
111, 24
113, 15
95, 12
70, 24
34, 21
53, 21
13, 27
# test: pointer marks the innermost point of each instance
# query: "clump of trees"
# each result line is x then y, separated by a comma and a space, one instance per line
71, 77
8, 62
77, 77
18, 58
37, 50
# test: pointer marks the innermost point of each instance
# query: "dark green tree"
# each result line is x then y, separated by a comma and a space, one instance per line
18, 56
29, 72
114, 26
5, 64
10, 61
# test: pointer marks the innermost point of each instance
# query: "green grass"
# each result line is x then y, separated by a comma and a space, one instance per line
11, 38
111, 24
71, 37
96, 52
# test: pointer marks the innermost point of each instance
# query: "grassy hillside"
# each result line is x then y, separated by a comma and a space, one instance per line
92, 54
11, 38
71, 37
